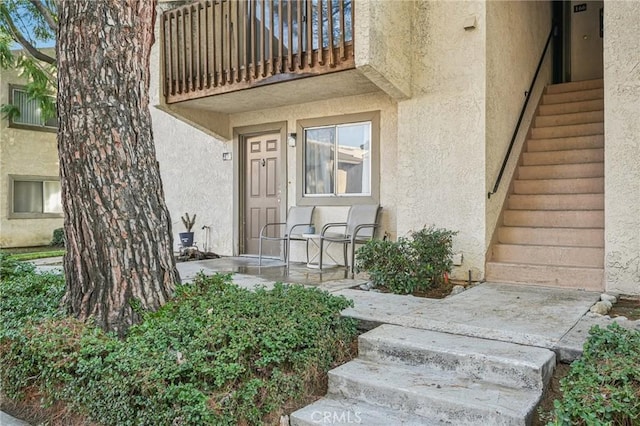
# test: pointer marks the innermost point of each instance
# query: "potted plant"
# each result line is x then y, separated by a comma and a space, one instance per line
186, 238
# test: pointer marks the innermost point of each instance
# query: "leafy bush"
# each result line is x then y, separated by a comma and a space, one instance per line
409, 264
58, 237
603, 386
10, 267
215, 355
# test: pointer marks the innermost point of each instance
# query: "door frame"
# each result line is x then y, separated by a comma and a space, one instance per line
240, 135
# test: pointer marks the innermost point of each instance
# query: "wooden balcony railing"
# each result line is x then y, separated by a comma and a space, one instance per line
217, 46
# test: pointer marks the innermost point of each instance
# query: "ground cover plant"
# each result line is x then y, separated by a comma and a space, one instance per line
411, 264
217, 354
603, 386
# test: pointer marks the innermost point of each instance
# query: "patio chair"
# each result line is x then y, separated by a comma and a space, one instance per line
298, 221
359, 228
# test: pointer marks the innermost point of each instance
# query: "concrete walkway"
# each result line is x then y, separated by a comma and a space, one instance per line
532, 317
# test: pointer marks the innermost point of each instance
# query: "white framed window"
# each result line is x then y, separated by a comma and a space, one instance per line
34, 197
30, 116
339, 160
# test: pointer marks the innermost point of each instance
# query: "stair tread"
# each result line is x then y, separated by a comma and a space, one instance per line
570, 125
349, 411
436, 386
543, 265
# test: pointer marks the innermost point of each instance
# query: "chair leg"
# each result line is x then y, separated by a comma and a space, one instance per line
287, 249
260, 252
353, 258
344, 253
321, 245
307, 251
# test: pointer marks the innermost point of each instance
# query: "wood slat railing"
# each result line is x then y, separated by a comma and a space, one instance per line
217, 46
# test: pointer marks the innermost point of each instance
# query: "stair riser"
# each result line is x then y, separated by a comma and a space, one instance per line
547, 255
557, 202
555, 219
562, 171
572, 107
446, 411
575, 86
567, 131
589, 279
474, 366
552, 236
565, 144
559, 186
582, 95
577, 156
569, 119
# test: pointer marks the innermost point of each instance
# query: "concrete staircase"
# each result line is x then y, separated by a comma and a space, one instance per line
553, 224
407, 376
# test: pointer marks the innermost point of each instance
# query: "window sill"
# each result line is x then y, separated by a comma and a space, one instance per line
337, 201
35, 216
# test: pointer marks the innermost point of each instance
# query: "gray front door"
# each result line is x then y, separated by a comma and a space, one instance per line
586, 40
261, 192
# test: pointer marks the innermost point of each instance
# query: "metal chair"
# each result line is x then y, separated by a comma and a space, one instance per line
298, 221
359, 228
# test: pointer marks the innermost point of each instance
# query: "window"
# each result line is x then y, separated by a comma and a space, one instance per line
339, 160
30, 115
35, 197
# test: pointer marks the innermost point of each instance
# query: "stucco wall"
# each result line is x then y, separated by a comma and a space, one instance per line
622, 146
26, 153
516, 34
382, 48
346, 105
194, 177
441, 129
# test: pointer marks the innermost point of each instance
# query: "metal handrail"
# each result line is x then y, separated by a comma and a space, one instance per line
524, 107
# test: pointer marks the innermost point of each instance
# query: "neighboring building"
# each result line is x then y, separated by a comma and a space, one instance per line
413, 107
30, 203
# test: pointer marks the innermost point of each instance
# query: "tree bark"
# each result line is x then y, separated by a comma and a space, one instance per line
118, 230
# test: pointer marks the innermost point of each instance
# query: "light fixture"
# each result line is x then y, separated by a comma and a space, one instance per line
291, 140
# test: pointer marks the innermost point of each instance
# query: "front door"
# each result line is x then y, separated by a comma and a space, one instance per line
586, 40
261, 192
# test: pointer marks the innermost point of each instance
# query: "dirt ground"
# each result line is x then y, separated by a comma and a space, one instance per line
552, 393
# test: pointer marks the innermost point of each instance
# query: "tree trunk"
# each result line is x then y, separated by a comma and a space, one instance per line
119, 240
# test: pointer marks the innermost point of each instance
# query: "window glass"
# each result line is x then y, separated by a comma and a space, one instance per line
346, 173
37, 196
30, 113
51, 194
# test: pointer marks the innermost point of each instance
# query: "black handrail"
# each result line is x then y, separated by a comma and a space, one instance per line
524, 107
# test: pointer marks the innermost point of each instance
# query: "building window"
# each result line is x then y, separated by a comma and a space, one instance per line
35, 197
339, 160
30, 114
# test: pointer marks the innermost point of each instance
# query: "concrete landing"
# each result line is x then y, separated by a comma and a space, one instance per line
527, 315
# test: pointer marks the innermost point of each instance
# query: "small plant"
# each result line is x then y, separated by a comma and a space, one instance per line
409, 264
58, 238
188, 221
602, 386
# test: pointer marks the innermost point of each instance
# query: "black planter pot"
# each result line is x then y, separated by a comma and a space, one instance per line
186, 239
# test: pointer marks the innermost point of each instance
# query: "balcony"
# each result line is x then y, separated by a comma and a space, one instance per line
218, 47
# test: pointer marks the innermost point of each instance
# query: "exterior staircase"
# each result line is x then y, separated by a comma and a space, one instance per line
553, 224
407, 376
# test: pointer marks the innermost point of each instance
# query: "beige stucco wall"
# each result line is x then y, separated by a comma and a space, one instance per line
25, 153
346, 105
382, 50
622, 146
516, 35
441, 129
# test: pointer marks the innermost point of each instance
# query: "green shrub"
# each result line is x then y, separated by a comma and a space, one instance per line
58, 237
215, 355
409, 264
10, 267
603, 386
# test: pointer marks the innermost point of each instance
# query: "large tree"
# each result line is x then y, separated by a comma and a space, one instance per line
119, 243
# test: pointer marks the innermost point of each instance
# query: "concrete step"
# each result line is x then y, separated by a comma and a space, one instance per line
559, 186
549, 255
555, 219
570, 118
556, 202
572, 156
572, 107
433, 394
590, 279
575, 86
567, 131
576, 237
484, 360
562, 171
577, 96
563, 144
343, 411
